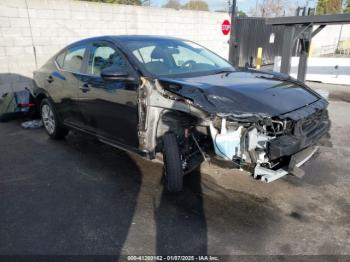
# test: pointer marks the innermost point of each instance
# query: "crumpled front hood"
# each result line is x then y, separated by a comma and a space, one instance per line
243, 93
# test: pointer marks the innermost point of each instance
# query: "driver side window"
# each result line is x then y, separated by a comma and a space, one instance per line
184, 54
103, 56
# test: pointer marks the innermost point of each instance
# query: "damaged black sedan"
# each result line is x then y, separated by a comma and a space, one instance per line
170, 97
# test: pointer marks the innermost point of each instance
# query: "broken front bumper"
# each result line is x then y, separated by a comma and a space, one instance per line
268, 175
288, 145
299, 147
271, 154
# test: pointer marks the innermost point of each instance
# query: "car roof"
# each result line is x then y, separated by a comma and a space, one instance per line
124, 38
142, 37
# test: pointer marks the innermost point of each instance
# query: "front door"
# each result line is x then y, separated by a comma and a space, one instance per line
109, 107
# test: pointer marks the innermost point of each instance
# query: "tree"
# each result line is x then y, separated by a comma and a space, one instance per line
175, 4
347, 7
121, 2
241, 13
273, 8
328, 7
196, 5
321, 7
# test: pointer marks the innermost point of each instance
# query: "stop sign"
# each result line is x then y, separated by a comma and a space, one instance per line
226, 27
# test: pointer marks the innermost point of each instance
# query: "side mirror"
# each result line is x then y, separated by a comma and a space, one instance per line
113, 73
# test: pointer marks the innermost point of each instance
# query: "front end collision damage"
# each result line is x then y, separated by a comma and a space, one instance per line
268, 146
161, 111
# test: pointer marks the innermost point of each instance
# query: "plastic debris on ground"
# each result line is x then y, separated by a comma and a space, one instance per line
33, 124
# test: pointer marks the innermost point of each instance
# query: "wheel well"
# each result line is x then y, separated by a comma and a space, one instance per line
175, 122
39, 98
187, 129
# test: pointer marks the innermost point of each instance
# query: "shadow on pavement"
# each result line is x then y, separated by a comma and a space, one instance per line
77, 197
180, 220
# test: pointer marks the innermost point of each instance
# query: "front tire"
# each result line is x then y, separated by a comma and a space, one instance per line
172, 163
54, 128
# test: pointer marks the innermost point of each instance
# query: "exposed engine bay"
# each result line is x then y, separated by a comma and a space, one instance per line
269, 146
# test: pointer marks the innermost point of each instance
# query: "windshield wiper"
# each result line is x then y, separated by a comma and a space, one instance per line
227, 72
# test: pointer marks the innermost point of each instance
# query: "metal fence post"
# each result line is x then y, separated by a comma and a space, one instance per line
288, 44
304, 54
233, 51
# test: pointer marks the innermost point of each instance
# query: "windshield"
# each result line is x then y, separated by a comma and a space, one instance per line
164, 57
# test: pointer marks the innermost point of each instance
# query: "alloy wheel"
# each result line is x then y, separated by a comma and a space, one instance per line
48, 118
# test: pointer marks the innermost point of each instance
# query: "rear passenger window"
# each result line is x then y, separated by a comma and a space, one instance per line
72, 59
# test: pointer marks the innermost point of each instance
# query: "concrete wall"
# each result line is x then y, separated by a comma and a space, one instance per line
329, 39
31, 31
321, 69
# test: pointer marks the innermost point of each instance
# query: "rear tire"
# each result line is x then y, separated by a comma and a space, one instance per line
172, 163
53, 126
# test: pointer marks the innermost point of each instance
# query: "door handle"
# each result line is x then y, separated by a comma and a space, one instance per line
50, 79
85, 88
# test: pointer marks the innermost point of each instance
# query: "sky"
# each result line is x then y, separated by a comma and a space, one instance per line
244, 5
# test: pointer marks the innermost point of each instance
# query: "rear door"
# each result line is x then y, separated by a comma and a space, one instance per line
63, 83
109, 107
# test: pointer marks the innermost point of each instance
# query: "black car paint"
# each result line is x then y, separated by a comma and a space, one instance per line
109, 109
244, 92
60, 87
90, 103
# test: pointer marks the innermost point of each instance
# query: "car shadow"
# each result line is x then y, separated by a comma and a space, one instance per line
64, 198
180, 220
180, 224
81, 197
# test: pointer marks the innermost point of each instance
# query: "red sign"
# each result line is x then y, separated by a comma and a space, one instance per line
226, 27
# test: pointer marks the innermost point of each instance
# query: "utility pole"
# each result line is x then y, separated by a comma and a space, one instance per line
233, 54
